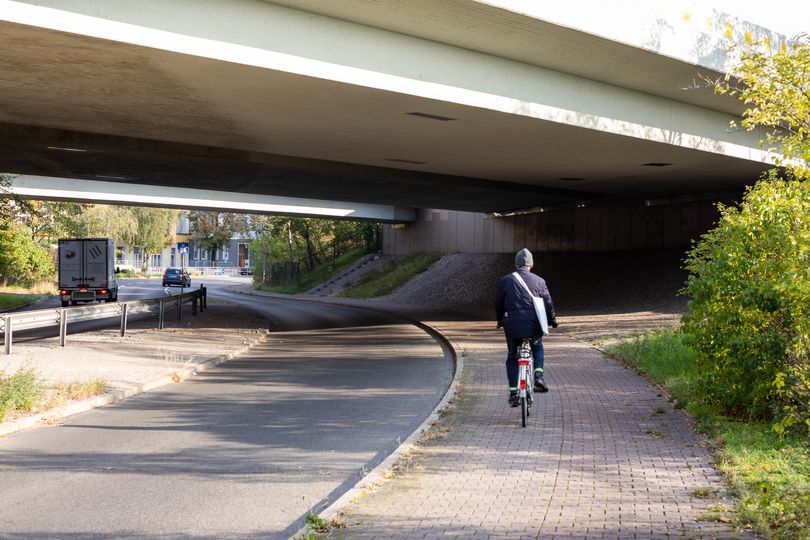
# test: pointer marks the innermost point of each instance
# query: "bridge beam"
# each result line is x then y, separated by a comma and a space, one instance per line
89, 191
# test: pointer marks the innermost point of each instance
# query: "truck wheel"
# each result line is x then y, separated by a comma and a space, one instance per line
65, 303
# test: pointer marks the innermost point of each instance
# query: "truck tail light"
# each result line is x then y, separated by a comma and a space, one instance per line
102, 291
64, 292
82, 290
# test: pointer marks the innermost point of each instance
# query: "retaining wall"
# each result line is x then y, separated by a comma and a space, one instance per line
600, 226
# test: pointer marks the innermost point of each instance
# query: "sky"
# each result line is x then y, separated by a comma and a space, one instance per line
788, 17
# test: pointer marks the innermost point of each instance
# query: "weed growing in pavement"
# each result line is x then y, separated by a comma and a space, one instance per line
717, 512
654, 433
177, 362
434, 433
81, 389
76, 390
315, 522
24, 392
20, 392
704, 492
448, 409
401, 467
338, 521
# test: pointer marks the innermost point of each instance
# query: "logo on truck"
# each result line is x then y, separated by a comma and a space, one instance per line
95, 251
70, 254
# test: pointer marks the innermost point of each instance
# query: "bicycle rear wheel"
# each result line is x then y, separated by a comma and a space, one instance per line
524, 409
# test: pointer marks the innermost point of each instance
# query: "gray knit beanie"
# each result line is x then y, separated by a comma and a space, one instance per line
524, 258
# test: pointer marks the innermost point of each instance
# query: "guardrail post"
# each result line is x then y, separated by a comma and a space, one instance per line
9, 331
161, 316
203, 297
194, 299
63, 313
123, 319
179, 304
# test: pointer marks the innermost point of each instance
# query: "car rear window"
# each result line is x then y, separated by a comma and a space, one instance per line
172, 271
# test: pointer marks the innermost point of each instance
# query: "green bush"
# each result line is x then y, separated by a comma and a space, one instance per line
749, 315
23, 261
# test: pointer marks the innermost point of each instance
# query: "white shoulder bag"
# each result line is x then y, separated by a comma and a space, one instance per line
539, 305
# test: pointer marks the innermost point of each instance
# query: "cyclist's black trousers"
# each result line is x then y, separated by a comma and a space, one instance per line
511, 358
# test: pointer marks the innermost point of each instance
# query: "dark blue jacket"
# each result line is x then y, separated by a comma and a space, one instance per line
515, 309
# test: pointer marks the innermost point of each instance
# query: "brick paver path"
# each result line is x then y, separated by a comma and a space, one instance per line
604, 456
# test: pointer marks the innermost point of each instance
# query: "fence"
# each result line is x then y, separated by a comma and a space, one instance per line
137, 266
45, 318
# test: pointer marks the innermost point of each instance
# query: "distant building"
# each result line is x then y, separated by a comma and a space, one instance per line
232, 256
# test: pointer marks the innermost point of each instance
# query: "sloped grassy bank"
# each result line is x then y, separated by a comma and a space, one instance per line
392, 274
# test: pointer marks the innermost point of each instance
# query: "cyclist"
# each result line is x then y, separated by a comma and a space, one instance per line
516, 315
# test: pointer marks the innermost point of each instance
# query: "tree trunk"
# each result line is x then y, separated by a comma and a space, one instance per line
289, 239
310, 254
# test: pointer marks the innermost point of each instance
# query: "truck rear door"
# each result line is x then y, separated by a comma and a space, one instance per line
95, 263
70, 263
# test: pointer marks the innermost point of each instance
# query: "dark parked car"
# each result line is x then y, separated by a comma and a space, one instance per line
176, 276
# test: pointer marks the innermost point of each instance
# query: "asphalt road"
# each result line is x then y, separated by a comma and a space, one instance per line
243, 450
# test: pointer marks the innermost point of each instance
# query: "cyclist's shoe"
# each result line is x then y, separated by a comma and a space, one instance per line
540, 383
514, 399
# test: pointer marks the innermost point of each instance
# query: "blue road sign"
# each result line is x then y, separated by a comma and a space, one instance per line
182, 247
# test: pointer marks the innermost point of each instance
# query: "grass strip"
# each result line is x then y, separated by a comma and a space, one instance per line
39, 288
392, 274
13, 300
769, 474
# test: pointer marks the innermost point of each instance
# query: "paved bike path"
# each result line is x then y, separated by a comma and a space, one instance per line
604, 456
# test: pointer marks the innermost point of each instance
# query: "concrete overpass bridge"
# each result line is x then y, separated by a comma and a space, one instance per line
478, 108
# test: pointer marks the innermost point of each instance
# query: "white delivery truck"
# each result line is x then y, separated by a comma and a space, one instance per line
87, 270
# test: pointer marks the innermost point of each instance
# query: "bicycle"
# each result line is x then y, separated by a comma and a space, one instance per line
525, 379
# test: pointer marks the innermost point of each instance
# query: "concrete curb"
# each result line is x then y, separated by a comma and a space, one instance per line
388, 463
52, 416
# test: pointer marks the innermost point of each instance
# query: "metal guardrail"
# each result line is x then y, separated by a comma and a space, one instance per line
45, 318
